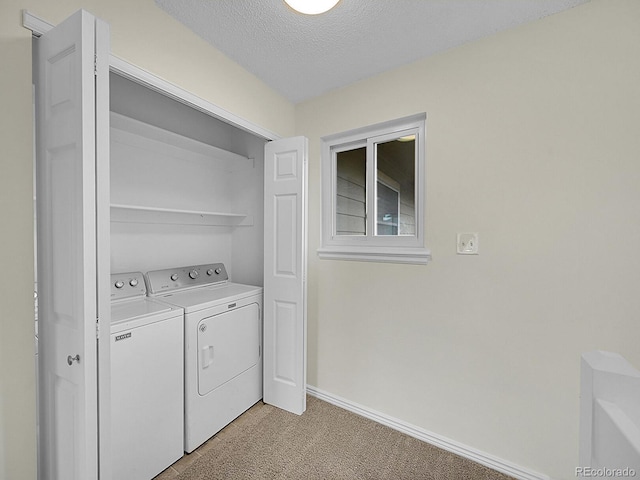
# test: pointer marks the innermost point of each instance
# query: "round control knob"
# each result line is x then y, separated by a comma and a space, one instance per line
119, 284
218, 271
174, 277
210, 272
193, 274
134, 282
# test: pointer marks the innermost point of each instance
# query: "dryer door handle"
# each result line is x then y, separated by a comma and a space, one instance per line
207, 356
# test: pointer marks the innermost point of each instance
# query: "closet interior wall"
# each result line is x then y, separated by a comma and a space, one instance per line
178, 169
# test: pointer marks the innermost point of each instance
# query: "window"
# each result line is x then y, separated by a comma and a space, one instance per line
373, 193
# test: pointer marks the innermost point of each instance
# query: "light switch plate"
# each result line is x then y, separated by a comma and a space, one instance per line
467, 244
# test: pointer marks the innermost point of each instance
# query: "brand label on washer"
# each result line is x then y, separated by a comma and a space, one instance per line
124, 336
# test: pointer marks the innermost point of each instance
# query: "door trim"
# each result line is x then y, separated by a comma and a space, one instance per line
121, 67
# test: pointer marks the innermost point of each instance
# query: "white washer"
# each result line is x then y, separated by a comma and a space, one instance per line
146, 380
223, 345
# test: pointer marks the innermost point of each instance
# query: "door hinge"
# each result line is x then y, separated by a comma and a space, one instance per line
95, 64
97, 328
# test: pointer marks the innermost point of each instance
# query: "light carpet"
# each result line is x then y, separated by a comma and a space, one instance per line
326, 442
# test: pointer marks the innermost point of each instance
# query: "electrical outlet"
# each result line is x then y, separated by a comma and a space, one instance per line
467, 244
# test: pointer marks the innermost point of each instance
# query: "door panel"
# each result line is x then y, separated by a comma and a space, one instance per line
285, 334
285, 211
67, 256
285, 259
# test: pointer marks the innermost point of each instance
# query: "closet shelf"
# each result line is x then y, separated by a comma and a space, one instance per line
155, 215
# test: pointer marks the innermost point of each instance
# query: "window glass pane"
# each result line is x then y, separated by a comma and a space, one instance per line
351, 194
388, 210
395, 179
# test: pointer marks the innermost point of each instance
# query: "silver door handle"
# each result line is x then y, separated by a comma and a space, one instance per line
71, 359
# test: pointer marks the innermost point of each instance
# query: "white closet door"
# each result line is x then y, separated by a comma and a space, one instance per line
68, 260
285, 257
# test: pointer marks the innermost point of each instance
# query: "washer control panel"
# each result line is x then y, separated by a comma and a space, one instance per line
127, 285
160, 281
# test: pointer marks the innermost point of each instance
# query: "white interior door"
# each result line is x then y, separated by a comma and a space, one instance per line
285, 265
69, 263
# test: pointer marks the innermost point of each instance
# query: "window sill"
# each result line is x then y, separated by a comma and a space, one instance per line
417, 256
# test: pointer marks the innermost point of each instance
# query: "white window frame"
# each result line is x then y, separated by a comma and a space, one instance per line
369, 247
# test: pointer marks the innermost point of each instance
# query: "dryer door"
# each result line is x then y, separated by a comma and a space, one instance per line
228, 344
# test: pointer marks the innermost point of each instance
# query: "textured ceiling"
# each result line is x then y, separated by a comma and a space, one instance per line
304, 56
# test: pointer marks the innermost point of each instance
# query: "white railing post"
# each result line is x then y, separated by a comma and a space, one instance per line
609, 414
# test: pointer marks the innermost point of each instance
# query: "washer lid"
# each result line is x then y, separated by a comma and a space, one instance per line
207, 297
140, 311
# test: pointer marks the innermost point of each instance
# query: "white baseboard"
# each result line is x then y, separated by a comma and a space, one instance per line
452, 446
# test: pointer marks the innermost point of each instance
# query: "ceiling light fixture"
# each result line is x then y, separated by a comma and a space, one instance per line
311, 7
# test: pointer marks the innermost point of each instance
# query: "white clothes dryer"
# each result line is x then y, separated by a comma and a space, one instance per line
223, 345
146, 380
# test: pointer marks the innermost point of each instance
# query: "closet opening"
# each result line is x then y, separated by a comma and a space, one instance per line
186, 188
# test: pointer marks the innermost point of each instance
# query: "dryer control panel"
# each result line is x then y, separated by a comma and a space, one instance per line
161, 281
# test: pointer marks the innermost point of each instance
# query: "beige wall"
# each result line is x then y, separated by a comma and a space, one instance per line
144, 35
532, 141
